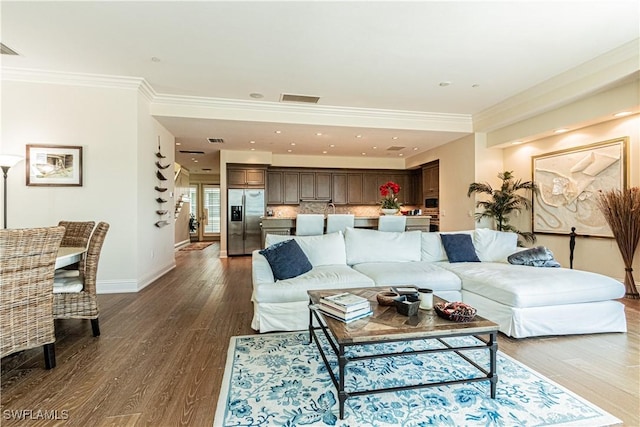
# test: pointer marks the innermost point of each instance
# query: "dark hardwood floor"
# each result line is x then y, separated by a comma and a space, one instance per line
161, 355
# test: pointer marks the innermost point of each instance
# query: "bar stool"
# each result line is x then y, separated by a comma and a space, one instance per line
339, 222
392, 223
309, 224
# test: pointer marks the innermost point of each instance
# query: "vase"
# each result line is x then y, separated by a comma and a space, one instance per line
389, 211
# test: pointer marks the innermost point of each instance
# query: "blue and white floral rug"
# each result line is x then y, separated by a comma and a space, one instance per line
281, 380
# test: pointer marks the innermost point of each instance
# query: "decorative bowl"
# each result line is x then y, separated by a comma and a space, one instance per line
386, 297
455, 311
407, 305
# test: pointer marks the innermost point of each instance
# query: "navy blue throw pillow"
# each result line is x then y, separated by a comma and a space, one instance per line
286, 259
459, 248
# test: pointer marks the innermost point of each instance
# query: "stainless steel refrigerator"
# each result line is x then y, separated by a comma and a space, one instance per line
244, 235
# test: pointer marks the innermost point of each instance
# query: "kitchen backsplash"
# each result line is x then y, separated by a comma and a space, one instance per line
324, 208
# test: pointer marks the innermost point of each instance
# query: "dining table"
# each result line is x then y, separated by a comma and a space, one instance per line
68, 255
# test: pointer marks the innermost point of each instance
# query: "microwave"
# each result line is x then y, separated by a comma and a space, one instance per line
431, 203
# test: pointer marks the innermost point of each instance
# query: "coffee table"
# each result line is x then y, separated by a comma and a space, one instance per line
386, 325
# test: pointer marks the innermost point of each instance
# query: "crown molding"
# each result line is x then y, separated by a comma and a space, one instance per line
578, 82
78, 79
233, 109
264, 111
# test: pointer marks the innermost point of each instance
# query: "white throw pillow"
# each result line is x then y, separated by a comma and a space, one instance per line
432, 249
323, 249
494, 246
381, 246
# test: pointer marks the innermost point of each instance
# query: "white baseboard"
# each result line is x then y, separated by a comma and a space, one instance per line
129, 286
182, 244
116, 286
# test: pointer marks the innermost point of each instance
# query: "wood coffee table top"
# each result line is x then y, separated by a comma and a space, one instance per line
387, 324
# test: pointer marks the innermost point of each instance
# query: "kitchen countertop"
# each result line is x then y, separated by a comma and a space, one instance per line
357, 217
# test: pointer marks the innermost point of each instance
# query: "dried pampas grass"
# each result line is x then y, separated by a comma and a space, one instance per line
621, 209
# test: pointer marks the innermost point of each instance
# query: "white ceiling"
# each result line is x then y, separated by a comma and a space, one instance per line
382, 57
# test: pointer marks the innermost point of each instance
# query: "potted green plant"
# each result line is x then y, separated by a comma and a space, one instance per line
504, 201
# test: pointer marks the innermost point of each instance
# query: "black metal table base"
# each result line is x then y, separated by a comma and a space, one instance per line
490, 344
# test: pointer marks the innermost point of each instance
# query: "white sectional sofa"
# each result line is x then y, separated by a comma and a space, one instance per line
524, 301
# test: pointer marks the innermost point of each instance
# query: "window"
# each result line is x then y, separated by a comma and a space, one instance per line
211, 207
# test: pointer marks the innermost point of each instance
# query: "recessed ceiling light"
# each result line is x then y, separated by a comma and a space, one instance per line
374, 147
332, 145
415, 148
364, 154
178, 143
252, 142
195, 161
318, 133
395, 137
253, 149
278, 131
622, 114
358, 136
400, 155
562, 130
444, 84
324, 152
293, 143
256, 95
289, 151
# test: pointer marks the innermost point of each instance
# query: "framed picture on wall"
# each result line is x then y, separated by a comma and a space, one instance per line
569, 182
54, 165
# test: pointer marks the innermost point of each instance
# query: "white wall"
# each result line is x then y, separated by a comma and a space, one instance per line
155, 257
105, 121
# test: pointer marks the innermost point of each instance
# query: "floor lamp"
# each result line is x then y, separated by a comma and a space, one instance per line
6, 162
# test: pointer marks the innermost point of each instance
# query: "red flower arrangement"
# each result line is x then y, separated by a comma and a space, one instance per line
389, 191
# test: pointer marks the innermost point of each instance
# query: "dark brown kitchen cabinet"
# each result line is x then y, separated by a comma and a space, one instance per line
355, 189
283, 188
275, 188
245, 177
370, 189
339, 193
431, 180
315, 186
291, 188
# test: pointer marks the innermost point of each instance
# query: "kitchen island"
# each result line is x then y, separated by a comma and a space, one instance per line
286, 226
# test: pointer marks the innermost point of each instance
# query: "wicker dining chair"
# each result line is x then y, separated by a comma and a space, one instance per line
83, 304
76, 234
27, 263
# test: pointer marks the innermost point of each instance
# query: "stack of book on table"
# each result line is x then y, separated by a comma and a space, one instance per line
345, 306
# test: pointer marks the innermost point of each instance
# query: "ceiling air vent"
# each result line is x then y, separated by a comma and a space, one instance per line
215, 140
395, 148
6, 50
191, 152
288, 97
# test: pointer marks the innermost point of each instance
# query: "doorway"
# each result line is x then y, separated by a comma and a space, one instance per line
204, 224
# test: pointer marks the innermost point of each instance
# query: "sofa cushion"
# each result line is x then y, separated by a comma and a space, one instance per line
522, 286
286, 259
322, 277
459, 248
494, 246
421, 274
323, 249
379, 246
